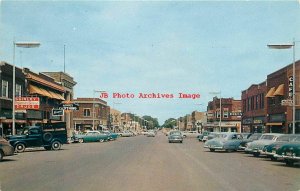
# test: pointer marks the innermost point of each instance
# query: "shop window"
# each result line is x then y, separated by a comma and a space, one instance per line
225, 113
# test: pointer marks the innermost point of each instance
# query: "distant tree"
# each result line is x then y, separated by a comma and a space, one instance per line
170, 123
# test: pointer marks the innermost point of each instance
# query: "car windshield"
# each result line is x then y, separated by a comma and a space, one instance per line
297, 139
175, 133
284, 138
267, 137
255, 137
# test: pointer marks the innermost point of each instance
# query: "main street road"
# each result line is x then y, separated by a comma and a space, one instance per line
143, 164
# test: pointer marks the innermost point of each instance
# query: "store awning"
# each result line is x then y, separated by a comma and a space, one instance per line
273, 124
35, 90
57, 96
271, 92
279, 91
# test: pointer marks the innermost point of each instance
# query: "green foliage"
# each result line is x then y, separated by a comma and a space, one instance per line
170, 123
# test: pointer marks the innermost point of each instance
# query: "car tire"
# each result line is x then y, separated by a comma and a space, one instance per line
212, 150
56, 145
101, 140
80, 140
20, 147
273, 158
256, 154
1, 155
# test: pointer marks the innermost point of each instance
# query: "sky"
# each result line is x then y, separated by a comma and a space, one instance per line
166, 47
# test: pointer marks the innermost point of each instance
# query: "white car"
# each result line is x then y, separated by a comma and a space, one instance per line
192, 134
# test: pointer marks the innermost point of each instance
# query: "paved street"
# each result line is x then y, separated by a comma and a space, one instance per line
143, 163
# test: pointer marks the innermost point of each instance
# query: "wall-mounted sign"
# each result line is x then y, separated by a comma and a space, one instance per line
22, 103
57, 112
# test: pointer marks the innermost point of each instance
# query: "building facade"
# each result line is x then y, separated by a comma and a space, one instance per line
226, 120
254, 108
279, 95
92, 114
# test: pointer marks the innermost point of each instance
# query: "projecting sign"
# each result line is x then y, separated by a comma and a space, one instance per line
287, 102
57, 112
69, 106
22, 103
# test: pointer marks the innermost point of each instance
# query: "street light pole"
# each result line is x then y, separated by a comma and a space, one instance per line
288, 46
22, 45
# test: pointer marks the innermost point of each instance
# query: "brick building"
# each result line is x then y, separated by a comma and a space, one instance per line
254, 108
280, 88
93, 114
231, 115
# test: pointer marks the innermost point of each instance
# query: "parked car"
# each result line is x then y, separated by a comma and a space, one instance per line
252, 137
50, 136
5, 148
175, 136
126, 134
192, 134
90, 136
290, 152
203, 136
210, 136
256, 147
270, 150
111, 135
224, 141
151, 133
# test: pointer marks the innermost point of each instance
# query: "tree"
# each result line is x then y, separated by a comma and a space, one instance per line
170, 123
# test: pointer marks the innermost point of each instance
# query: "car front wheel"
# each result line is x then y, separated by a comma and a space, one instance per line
212, 150
80, 140
1, 155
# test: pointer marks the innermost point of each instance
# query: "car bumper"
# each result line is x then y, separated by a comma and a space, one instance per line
175, 140
8, 150
214, 147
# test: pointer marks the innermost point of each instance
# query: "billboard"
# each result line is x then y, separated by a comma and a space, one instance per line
23, 103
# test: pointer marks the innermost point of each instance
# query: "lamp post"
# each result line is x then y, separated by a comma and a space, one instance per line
94, 92
21, 45
220, 121
288, 46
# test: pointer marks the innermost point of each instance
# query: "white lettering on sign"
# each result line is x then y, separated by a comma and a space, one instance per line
22, 103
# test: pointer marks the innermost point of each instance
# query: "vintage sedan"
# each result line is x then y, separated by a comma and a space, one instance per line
252, 137
256, 147
270, 150
290, 152
224, 141
175, 136
111, 136
5, 148
90, 136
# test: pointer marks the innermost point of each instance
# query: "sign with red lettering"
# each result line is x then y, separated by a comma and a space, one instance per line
22, 103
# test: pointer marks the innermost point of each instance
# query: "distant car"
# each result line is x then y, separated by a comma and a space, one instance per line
126, 134
151, 134
90, 136
175, 136
256, 147
203, 137
192, 134
270, 150
290, 152
5, 148
224, 141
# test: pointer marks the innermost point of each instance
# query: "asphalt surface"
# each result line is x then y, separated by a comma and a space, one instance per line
144, 164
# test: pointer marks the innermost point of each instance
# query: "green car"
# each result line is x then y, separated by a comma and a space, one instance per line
90, 136
270, 150
111, 136
290, 152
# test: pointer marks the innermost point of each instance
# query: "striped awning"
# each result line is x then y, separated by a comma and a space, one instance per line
273, 124
271, 92
279, 91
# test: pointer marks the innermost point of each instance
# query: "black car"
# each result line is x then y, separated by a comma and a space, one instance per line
5, 148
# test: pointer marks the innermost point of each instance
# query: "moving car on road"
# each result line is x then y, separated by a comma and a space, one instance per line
5, 148
175, 136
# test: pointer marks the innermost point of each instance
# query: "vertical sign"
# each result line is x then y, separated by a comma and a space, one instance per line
291, 81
